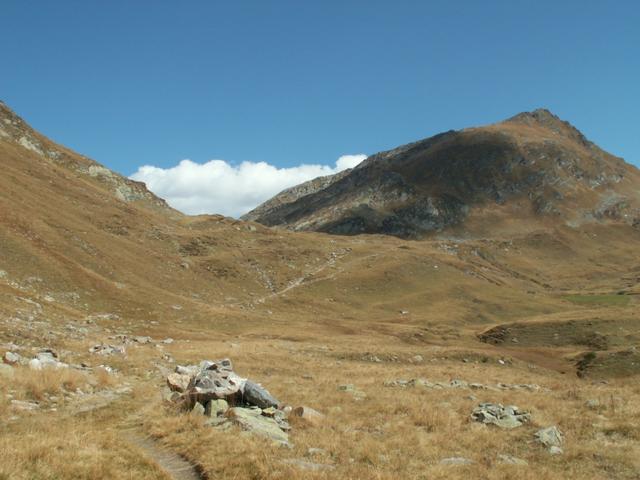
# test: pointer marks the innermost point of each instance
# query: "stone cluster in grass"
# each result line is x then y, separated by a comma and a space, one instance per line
212, 389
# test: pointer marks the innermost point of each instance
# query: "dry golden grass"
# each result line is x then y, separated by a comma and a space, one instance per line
60, 447
404, 433
38, 384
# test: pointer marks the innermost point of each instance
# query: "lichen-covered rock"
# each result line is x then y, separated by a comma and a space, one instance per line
496, 414
257, 424
550, 436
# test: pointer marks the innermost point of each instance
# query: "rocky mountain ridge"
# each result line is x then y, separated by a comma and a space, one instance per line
533, 167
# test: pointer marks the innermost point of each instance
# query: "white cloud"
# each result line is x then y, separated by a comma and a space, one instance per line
219, 187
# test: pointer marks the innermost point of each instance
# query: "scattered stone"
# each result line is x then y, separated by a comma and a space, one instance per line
49, 359
553, 450
496, 414
103, 349
418, 358
550, 436
309, 415
12, 358
167, 341
424, 383
178, 382
511, 460
592, 404
456, 461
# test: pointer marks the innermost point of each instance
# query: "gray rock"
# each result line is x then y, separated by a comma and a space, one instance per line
553, 450
12, 358
496, 414
257, 424
550, 436
216, 380
178, 382
256, 394
198, 410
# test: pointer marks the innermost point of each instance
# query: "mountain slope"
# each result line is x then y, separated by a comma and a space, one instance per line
532, 168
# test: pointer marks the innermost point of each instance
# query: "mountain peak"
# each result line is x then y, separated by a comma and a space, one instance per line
533, 168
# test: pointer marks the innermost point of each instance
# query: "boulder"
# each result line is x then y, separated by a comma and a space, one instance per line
178, 382
550, 436
257, 424
256, 394
216, 380
309, 415
49, 359
12, 358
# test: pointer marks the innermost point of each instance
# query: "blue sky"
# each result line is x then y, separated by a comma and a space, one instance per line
133, 83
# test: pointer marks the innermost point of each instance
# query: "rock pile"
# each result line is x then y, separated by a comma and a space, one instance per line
496, 414
214, 390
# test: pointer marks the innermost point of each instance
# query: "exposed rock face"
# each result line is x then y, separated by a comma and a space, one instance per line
533, 164
16, 130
